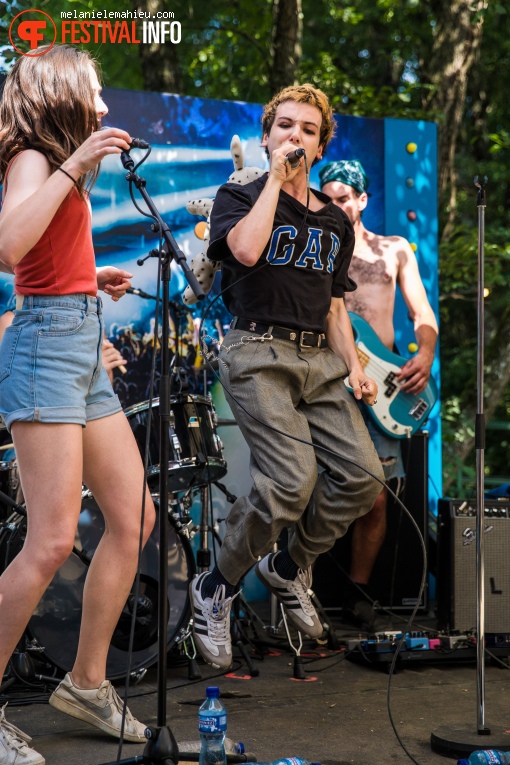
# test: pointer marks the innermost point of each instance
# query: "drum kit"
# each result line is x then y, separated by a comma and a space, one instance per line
196, 461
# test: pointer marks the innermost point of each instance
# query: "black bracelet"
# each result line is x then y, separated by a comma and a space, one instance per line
68, 175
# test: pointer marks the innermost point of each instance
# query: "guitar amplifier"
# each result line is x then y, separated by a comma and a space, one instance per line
456, 565
397, 573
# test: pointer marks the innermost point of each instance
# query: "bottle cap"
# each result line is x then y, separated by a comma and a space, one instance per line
212, 692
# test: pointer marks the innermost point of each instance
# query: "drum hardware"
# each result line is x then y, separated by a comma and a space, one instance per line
179, 509
53, 630
138, 675
7, 684
175, 441
230, 497
298, 669
195, 449
193, 668
27, 669
9, 487
27, 664
188, 651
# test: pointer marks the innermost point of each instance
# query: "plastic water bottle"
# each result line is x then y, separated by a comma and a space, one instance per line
486, 757
212, 726
231, 747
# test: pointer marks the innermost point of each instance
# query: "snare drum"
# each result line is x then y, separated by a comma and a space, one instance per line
196, 451
55, 624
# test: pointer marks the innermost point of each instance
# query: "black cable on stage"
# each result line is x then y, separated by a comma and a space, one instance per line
207, 355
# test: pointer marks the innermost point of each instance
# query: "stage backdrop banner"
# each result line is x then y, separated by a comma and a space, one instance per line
190, 159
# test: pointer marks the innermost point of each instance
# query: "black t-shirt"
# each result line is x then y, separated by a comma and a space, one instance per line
304, 270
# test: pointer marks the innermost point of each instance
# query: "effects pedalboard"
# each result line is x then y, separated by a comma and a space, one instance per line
422, 646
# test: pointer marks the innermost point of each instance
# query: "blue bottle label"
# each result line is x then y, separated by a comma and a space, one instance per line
492, 757
213, 724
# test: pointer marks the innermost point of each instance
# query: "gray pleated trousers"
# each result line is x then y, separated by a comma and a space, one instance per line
302, 393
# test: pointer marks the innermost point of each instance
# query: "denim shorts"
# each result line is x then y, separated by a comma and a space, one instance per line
50, 362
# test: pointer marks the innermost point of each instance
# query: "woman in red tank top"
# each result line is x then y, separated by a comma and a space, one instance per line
66, 423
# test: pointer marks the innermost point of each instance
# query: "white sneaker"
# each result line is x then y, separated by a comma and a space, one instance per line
211, 623
293, 595
14, 749
101, 707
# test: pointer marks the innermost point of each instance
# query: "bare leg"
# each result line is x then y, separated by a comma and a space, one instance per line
367, 539
5, 321
50, 463
113, 471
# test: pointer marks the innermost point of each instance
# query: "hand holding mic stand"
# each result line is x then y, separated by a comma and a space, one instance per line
161, 747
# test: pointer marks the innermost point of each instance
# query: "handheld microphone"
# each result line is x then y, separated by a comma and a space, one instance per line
140, 293
294, 157
138, 143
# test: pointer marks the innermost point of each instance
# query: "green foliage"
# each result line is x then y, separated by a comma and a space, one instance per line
366, 57
227, 49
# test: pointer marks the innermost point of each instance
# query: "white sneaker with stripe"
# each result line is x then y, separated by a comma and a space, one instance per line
293, 595
211, 623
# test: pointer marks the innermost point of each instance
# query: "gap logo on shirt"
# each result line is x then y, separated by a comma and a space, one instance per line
282, 249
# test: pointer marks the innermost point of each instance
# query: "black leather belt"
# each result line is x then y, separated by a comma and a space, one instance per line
303, 338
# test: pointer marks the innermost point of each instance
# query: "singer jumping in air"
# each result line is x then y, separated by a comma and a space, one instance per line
55, 397
284, 360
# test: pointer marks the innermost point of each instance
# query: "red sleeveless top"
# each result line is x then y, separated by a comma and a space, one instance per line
62, 262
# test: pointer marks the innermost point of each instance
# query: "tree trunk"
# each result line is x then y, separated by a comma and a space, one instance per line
159, 61
286, 43
457, 38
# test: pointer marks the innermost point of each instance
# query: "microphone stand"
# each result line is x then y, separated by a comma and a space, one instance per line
462, 741
161, 747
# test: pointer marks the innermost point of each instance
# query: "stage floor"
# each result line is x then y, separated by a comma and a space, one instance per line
337, 716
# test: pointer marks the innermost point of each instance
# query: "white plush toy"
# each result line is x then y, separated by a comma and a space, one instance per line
203, 268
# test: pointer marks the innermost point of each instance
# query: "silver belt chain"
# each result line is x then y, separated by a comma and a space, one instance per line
208, 355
